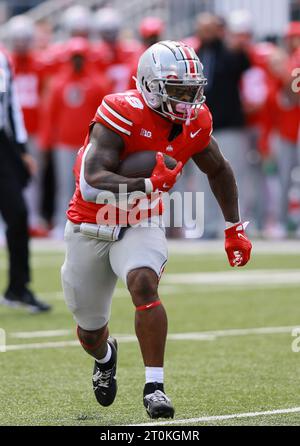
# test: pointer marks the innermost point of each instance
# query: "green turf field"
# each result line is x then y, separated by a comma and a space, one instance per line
220, 372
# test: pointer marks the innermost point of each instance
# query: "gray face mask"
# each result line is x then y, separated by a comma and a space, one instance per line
170, 78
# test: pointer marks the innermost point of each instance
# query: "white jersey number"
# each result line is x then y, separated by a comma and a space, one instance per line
134, 102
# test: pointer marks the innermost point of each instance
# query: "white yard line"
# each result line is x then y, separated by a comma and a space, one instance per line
235, 277
278, 247
222, 417
40, 334
42, 345
125, 338
196, 246
190, 246
52, 295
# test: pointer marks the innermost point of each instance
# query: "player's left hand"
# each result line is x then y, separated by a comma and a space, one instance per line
162, 178
237, 245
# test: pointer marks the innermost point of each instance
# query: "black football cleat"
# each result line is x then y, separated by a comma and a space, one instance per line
104, 377
157, 404
27, 300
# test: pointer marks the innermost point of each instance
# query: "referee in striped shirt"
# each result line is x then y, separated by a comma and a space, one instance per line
16, 168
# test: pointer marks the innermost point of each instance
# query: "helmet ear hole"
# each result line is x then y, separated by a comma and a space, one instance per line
155, 102
147, 87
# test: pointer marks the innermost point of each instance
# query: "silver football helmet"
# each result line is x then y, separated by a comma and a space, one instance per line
20, 33
171, 80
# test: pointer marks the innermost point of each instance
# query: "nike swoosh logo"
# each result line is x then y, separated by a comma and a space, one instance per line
242, 236
195, 133
165, 185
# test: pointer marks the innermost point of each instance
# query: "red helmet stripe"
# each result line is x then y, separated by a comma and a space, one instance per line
184, 58
190, 60
185, 51
192, 67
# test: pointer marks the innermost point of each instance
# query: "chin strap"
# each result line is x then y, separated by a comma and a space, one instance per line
189, 114
148, 306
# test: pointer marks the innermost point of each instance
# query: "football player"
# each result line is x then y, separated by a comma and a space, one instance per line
167, 114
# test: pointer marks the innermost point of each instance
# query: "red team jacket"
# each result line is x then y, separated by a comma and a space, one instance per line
116, 61
29, 72
71, 95
141, 129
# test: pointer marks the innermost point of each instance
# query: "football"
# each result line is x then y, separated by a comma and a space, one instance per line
141, 164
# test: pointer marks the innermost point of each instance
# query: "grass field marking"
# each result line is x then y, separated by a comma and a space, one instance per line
280, 247
188, 246
2, 340
221, 417
40, 334
247, 277
193, 336
42, 345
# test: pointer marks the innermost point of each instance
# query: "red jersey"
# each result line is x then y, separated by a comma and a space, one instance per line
141, 129
29, 73
255, 84
134, 67
282, 113
289, 110
71, 95
116, 61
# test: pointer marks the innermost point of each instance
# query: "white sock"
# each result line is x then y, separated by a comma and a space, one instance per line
154, 374
106, 357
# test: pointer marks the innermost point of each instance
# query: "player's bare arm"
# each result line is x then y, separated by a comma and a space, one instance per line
102, 162
223, 184
221, 179
171, 83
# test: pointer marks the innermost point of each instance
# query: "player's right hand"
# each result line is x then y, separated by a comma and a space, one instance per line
162, 178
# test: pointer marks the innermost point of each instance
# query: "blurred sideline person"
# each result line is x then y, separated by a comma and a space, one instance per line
284, 120
289, 134
151, 31
29, 81
15, 169
75, 22
115, 53
223, 67
43, 36
258, 84
255, 86
73, 96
